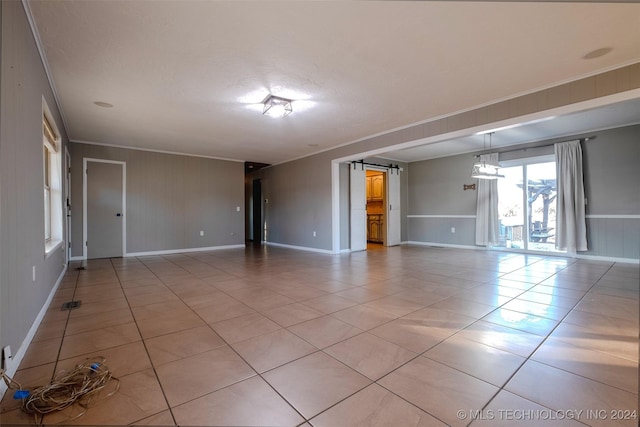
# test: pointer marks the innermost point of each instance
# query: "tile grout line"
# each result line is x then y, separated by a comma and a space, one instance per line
235, 351
546, 337
321, 350
64, 332
421, 354
329, 315
446, 338
153, 367
410, 360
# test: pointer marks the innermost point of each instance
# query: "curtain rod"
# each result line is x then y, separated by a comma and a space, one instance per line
585, 139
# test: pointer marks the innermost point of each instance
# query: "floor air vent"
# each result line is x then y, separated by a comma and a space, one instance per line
70, 305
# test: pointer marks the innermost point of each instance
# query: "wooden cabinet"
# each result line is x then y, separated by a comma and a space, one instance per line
375, 187
374, 228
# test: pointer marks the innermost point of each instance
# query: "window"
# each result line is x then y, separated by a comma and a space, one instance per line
51, 183
527, 205
47, 194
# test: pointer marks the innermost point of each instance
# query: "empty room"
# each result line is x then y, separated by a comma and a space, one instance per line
319, 213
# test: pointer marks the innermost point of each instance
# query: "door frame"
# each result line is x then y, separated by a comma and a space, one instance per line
393, 228
385, 199
524, 163
256, 222
85, 162
67, 202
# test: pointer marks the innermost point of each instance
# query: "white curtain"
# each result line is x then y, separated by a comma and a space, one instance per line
571, 228
487, 229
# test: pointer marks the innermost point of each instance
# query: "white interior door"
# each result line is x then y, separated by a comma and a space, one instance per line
393, 208
357, 182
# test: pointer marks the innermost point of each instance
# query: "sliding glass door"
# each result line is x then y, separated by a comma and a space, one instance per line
527, 205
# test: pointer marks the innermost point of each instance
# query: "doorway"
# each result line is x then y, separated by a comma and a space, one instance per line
104, 208
527, 205
374, 205
256, 212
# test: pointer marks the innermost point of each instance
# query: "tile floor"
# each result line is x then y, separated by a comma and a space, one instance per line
405, 336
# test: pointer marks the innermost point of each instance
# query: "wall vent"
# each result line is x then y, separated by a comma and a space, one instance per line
70, 305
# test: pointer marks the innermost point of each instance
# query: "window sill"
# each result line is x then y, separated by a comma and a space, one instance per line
51, 247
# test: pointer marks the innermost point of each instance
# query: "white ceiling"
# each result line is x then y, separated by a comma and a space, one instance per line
188, 76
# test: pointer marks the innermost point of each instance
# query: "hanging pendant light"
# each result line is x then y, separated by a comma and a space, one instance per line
484, 169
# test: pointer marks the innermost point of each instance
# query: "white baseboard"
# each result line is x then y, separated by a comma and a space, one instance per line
300, 248
22, 350
608, 259
76, 258
186, 250
446, 245
554, 254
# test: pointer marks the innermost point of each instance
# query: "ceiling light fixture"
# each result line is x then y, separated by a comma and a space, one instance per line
275, 106
486, 170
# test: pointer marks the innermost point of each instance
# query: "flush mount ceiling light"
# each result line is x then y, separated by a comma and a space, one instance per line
275, 106
484, 169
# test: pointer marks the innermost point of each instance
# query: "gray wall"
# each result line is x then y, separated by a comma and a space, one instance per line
298, 209
612, 172
436, 187
611, 178
299, 203
299, 194
170, 198
23, 84
438, 201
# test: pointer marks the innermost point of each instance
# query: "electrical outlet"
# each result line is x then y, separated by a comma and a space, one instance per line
237, 208
314, 234
202, 232
6, 357
453, 229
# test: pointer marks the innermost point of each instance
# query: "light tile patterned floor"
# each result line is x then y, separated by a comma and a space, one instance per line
403, 336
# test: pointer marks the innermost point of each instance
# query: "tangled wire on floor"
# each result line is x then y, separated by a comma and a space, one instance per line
82, 385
